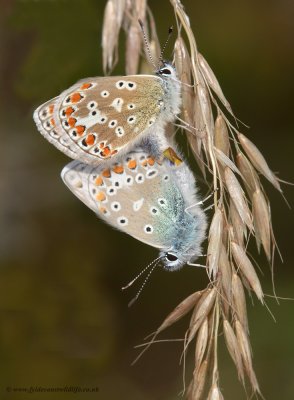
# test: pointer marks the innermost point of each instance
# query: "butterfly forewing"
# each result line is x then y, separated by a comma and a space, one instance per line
138, 196
97, 118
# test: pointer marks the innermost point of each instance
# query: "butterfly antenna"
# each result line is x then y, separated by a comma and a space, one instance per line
143, 284
142, 272
170, 31
146, 43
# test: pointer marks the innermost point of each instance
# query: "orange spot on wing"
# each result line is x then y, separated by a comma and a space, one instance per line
90, 139
151, 161
144, 163
71, 122
105, 152
99, 181
103, 210
69, 111
106, 173
132, 164
118, 169
86, 86
100, 196
80, 129
51, 108
52, 121
113, 152
75, 97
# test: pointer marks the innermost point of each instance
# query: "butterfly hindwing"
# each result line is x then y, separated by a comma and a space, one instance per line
45, 122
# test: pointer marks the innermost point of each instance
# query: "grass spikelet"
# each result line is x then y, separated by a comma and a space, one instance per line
239, 301
245, 350
221, 135
201, 311
215, 393
239, 227
247, 269
201, 343
238, 197
199, 378
133, 47
258, 160
182, 61
261, 219
215, 242
112, 22
205, 106
251, 179
234, 349
180, 311
226, 280
212, 81
225, 161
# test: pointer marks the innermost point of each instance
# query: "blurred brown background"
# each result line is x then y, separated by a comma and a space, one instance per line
63, 318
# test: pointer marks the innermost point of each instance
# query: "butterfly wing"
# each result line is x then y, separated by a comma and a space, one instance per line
139, 196
44, 120
98, 118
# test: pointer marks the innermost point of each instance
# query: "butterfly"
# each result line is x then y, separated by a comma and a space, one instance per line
152, 199
101, 119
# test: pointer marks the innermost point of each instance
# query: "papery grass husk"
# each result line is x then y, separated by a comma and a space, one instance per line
229, 162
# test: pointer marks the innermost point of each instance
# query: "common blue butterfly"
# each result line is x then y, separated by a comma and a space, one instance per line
103, 118
153, 200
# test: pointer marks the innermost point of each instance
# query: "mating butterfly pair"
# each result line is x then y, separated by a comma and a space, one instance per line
125, 170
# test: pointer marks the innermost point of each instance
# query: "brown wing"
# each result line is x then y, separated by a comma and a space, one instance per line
44, 120
98, 117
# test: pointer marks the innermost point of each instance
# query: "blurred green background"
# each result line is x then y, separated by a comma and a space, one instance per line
64, 320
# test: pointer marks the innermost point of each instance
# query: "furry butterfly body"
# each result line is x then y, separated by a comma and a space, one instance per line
147, 199
101, 119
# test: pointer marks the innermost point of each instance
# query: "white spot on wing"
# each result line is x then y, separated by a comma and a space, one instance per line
102, 119
111, 191
122, 221
148, 229
130, 85
117, 104
138, 204
129, 180
112, 123
131, 119
115, 206
120, 84
104, 93
139, 178
92, 104
151, 173
119, 131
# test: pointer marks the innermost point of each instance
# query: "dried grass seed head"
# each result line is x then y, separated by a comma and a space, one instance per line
233, 348
221, 135
214, 243
258, 160
262, 221
239, 301
250, 177
238, 196
242, 261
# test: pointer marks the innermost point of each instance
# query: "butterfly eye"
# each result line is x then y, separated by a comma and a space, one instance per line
171, 257
165, 71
